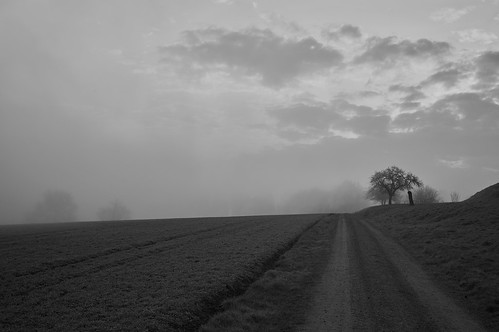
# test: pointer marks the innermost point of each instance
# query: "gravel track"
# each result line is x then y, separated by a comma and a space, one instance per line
372, 284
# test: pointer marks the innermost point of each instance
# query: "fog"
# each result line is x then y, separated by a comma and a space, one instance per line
74, 120
153, 105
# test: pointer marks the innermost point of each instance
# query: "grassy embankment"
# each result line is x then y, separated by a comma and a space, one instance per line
457, 243
165, 275
278, 301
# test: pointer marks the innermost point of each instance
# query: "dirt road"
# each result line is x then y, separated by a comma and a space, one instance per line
371, 284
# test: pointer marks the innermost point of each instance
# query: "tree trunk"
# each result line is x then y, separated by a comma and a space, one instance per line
410, 197
390, 199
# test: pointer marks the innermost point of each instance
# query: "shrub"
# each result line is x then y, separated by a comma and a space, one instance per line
426, 195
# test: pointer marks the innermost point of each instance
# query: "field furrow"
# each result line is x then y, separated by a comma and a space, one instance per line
61, 263
165, 283
93, 241
53, 274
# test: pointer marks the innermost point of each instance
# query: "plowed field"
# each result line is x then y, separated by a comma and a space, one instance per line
140, 275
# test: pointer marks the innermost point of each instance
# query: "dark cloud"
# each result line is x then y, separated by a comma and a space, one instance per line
414, 96
471, 112
253, 52
350, 31
368, 125
320, 118
409, 105
345, 31
413, 93
475, 110
368, 93
487, 72
447, 77
425, 120
494, 92
344, 106
389, 49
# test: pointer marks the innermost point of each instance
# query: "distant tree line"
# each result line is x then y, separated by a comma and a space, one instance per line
58, 206
55, 206
114, 211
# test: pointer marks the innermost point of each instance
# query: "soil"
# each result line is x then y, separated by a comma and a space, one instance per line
372, 283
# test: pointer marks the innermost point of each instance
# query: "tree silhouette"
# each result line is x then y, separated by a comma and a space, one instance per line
55, 206
114, 211
392, 180
381, 196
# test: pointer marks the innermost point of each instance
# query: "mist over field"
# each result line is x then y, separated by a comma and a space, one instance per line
218, 108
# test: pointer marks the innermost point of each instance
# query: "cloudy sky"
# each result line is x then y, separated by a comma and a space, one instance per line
177, 107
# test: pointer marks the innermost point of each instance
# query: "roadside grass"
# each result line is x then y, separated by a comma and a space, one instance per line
279, 300
158, 275
457, 243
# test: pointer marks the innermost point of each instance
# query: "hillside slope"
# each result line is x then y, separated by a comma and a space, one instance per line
454, 242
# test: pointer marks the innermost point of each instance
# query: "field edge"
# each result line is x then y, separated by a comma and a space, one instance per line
280, 297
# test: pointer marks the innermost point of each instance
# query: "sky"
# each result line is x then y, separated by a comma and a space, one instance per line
182, 108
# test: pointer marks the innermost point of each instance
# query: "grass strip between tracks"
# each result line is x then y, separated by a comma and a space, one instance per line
279, 299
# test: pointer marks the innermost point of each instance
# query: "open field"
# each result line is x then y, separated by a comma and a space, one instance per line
425, 267
141, 275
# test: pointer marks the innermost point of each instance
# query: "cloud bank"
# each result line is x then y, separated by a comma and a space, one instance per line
254, 52
175, 117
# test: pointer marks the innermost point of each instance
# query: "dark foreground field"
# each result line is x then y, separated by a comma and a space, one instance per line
431, 267
164, 275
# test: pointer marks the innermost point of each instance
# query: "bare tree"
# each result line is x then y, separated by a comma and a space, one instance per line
393, 179
426, 195
381, 196
55, 206
114, 211
454, 197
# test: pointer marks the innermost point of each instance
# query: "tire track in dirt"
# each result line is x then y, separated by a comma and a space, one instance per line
372, 284
145, 249
337, 295
112, 251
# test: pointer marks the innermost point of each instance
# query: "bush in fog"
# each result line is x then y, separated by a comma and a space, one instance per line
309, 201
242, 204
114, 211
426, 195
454, 197
346, 197
55, 206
